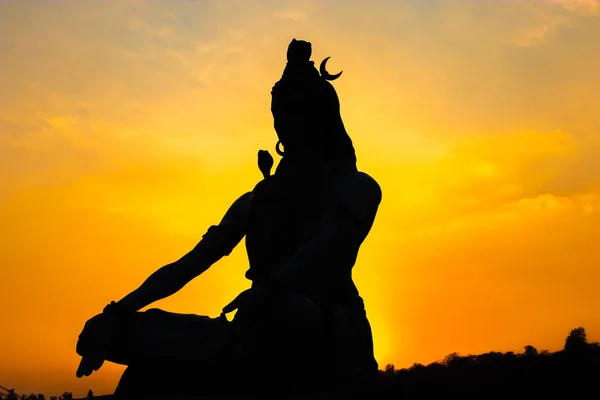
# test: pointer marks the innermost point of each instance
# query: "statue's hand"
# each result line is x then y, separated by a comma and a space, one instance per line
95, 340
89, 364
249, 299
265, 163
93, 344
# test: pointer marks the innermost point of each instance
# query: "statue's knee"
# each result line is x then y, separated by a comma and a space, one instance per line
150, 317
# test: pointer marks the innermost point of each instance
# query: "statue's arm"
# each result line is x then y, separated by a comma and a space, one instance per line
346, 223
218, 242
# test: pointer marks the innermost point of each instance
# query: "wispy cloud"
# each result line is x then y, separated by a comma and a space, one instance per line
581, 6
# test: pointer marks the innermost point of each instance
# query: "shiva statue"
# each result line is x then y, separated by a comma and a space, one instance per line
302, 323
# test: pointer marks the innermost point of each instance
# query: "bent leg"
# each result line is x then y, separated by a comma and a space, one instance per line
194, 354
166, 351
156, 336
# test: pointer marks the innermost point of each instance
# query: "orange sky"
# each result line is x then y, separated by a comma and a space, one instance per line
128, 127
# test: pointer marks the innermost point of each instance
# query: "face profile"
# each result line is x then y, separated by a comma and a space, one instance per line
306, 110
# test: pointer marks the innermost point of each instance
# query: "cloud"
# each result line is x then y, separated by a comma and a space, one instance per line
545, 20
502, 179
156, 23
292, 14
580, 6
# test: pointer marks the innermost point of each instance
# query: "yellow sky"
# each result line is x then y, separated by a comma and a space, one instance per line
128, 127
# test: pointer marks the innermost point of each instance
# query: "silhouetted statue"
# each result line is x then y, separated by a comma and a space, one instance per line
303, 227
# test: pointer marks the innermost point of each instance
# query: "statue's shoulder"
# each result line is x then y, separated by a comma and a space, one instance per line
245, 199
359, 186
263, 185
357, 192
238, 211
263, 192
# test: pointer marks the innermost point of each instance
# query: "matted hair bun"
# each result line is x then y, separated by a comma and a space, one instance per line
299, 51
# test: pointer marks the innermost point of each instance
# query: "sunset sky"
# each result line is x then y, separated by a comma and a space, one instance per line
127, 128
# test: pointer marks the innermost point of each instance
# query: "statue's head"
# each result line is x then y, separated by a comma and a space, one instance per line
306, 111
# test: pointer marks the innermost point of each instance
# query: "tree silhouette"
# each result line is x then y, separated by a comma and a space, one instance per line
577, 340
530, 351
390, 370
90, 394
452, 358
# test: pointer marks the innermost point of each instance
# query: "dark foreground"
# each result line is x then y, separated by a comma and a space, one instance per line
573, 372
570, 373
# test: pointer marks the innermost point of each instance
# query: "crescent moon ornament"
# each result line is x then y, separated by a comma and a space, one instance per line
325, 74
278, 150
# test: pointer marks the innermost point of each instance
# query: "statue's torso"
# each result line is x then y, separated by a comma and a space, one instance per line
285, 214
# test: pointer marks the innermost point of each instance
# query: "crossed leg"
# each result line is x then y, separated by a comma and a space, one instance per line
201, 355
164, 351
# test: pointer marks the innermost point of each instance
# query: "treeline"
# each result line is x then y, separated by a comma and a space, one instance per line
573, 371
11, 395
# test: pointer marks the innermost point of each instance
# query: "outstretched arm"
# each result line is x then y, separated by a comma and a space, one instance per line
99, 332
218, 242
